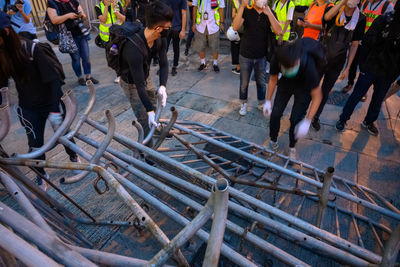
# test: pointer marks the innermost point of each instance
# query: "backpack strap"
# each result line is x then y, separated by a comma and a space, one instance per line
139, 43
385, 6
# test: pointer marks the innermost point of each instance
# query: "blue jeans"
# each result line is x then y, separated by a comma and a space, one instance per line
83, 53
246, 67
364, 82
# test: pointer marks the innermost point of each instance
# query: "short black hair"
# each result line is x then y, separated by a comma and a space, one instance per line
288, 54
157, 12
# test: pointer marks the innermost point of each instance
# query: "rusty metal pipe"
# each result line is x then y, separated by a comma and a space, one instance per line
157, 117
71, 110
139, 129
50, 244
185, 234
22, 250
99, 152
221, 198
89, 107
166, 129
392, 248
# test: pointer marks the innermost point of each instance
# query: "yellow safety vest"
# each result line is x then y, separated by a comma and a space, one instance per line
302, 2
236, 4
104, 29
281, 14
217, 16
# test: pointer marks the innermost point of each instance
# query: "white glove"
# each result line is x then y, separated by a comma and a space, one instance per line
55, 119
267, 109
163, 92
152, 119
302, 128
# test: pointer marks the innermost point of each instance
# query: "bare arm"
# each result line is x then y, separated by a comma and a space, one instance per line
26, 17
118, 14
55, 19
103, 17
273, 81
316, 97
238, 20
276, 27
82, 13
352, 52
334, 10
221, 15
183, 30
194, 18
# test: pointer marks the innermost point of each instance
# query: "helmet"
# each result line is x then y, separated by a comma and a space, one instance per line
232, 35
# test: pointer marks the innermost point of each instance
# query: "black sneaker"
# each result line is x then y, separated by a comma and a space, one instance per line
236, 71
315, 124
202, 67
75, 158
94, 81
173, 71
216, 68
186, 51
370, 128
82, 81
155, 61
340, 126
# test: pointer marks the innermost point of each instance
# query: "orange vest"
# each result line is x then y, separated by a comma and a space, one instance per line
314, 16
371, 15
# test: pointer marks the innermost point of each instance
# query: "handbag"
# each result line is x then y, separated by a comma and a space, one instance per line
66, 42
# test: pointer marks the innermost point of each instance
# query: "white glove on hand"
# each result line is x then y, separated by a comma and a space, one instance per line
55, 119
302, 128
163, 92
152, 119
267, 109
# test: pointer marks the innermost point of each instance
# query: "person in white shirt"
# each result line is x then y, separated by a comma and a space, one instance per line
208, 17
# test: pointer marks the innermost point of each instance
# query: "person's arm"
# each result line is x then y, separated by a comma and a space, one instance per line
334, 10
121, 17
82, 13
163, 63
194, 4
307, 24
276, 27
238, 20
273, 81
103, 17
26, 16
352, 52
55, 19
316, 97
221, 15
183, 30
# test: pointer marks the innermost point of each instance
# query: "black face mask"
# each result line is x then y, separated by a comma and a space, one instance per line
164, 33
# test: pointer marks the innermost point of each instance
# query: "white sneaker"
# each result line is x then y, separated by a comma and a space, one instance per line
116, 80
273, 146
44, 186
260, 106
292, 153
243, 109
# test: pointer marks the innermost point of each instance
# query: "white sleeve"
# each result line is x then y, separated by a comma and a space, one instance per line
389, 8
194, 2
221, 4
290, 13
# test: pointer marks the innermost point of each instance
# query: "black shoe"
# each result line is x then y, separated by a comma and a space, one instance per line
370, 128
94, 81
315, 124
216, 68
202, 67
155, 61
340, 126
186, 51
173, 71
82, 81
75, 158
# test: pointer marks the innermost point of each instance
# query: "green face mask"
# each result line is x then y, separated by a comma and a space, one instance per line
290, 72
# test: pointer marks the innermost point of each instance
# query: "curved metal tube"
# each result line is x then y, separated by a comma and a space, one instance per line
153, 128
99, 152
139, 129
165, 131
5, 118
71, 110
216, 239
82, 119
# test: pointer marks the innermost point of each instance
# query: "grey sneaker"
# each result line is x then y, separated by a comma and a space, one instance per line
243, 109
273, 146
292, 153
370, 128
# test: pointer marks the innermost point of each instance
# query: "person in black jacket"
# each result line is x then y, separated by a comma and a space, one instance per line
135, 79
38, 84
381, 68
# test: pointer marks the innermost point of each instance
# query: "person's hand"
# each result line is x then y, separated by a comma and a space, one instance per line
72, 15
343, 75
266, 10
55, 120
245, 3
194, 27
300, 23
10, 12
267, 108
152, 119
306, 24
221, 27
163, 92
107, 3
182, 34
19, 7
302, 128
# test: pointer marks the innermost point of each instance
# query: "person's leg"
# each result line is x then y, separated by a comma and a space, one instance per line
364, 81
76, 64
85, 56
281, 99
200, 42
235, 47
352, 72
299, 109
176, 41
213, 40
247, 67
259, 72
381, 87
191, 33
169, 37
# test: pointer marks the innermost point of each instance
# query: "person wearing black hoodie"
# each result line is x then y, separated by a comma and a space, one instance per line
381, 68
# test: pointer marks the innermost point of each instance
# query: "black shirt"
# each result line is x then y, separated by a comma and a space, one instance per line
65, 8
255, 36
97, 9
133, 60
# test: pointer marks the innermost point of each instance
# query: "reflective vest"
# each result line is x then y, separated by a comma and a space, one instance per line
217, 16
104, 29
371, 15
302, 2
314, 16
281, 14
235, 4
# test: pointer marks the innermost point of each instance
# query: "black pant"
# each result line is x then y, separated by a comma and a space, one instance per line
174, 35
28, 35
191, 33
235, 49
364, 82
331, 74
34, 122
301, 101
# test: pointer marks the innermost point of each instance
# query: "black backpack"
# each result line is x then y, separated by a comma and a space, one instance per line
119, 35
336, 42
49, 53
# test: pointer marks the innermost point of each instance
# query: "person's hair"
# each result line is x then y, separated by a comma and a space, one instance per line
288, 54
13, 58
156, 13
